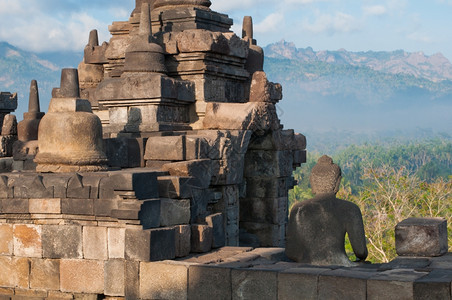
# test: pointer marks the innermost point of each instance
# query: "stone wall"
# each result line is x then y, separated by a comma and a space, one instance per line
228, 273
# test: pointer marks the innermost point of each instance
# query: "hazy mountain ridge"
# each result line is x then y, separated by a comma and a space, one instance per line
19, 67
435, 67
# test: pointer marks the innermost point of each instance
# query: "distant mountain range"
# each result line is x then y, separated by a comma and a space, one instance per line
322, 89
361, 91
434, 68
19, 67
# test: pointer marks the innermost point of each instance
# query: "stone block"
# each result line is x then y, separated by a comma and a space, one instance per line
174, 212
150, 244
254, 284
93, 180
59, 183
300, 141
82, 276
95, 242
44, 206
299, 157
344, 284
149, 214
299, 283
27, 240
199, 169
57, 295
171, 148
132, 282
216, 222
45, 274
175, 187
264, 210
76, 189
266, 187
393, 284
196, 148
14, 272
198, 205
31, 186
104, 207
269, 235
168, 280
206, 282
421, 237
116, 242
183, 240
62, 241
6, 239
118, 115
436, 285
201, 238
144, 184
15, 206
5, 190
29, 294
114, 277
75, 206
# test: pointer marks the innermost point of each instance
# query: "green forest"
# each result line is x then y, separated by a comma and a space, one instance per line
389, 181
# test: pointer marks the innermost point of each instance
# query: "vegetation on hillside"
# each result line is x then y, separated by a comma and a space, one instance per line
389, 182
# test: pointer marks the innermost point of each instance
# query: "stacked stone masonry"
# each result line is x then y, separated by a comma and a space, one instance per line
164, 145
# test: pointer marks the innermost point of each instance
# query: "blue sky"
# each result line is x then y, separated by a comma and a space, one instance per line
355, 25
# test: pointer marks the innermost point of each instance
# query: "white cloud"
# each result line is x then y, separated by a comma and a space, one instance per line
375, 10
303, 1
271, 23
337, 23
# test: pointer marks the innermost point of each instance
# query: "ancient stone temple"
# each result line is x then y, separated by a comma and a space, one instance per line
160, 171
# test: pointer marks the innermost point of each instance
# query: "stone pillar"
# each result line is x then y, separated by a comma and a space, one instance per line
255, 60
70, 135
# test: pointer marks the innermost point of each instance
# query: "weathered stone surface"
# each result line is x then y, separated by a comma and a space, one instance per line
174, 212
150, 214
200, 170
116, 242
205, 282
421, 237
202, 41
201, 238
77, 206
132, 281
264, 91
9, 126
137, 244
264, 210
257, 116
114, 277
45, 274
27, 240
62, 241
175, 187
6, 239
171, 148
82, 276
183, 240
254, 284
144, 184
44, 206
31, 186
343, 284
216, 222
150, 245
435, 285
14, 272
15, 206
168, 280
299, 283
393, 284
104, 207
95, 242
76, 189
269, 235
